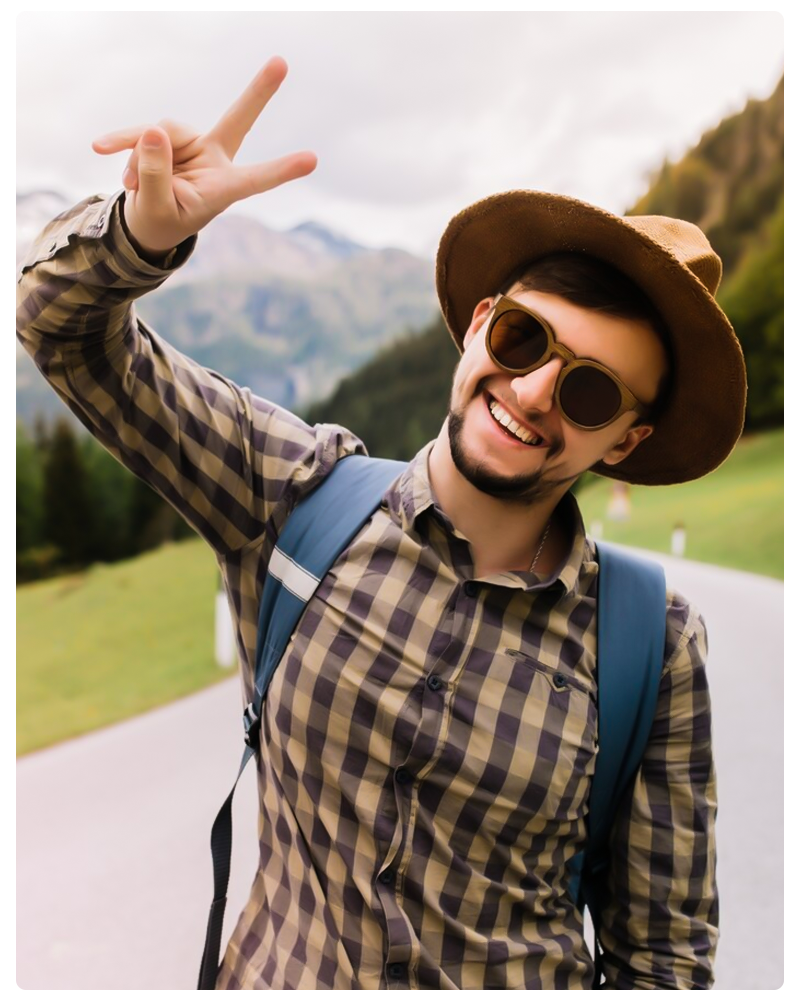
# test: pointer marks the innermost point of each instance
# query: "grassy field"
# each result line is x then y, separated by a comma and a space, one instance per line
733, 517
101, 646
107, 644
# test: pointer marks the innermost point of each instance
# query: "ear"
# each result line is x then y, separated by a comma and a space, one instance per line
479, 314
633, 438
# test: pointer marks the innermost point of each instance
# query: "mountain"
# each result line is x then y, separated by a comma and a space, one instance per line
287, 313
730, 184
240, 246
292, 340
318, 237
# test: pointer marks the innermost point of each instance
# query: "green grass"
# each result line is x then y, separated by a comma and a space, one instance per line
733, 517
102, 646
107, 644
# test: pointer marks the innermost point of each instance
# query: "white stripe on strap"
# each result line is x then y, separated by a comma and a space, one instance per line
294, 578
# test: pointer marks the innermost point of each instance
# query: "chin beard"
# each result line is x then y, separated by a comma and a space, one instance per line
526, 489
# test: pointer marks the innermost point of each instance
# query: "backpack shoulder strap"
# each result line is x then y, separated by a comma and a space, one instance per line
315, 534
631, 631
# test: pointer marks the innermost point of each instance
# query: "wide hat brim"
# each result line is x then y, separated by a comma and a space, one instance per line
704, 414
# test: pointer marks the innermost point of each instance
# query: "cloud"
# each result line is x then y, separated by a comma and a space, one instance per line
412, 115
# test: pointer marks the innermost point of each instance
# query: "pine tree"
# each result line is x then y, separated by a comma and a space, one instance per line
29, 492
68, 514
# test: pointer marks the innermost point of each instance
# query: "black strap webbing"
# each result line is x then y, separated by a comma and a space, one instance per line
221, 843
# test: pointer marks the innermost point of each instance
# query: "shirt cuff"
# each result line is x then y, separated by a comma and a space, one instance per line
122, 241
97, 223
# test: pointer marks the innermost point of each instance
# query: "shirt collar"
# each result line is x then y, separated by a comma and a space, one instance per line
412, 495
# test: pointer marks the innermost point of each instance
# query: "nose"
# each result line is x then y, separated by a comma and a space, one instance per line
535, 391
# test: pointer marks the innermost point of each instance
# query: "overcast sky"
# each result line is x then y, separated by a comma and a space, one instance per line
413, 116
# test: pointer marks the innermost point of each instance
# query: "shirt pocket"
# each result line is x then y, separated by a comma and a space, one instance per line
560, 679
557, 741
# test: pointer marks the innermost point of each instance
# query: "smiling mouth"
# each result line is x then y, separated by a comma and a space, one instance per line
512, 428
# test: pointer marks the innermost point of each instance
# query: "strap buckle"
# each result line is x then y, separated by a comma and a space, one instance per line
252, 726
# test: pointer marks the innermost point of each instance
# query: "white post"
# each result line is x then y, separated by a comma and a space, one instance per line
678, 540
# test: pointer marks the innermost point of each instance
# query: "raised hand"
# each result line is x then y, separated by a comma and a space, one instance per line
178, 180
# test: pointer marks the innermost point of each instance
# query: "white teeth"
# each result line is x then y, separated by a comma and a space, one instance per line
510, 424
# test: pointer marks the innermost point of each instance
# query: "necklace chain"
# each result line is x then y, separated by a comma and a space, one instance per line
541, 546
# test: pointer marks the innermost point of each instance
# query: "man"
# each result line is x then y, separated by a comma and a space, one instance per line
429, 738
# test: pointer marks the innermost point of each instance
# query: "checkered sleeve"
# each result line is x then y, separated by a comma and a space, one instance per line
224, 458
660, 928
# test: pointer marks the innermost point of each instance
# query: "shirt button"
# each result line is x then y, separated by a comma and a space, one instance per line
435, 682
560, 680
403, 776
396, 970
386, 877
471, 589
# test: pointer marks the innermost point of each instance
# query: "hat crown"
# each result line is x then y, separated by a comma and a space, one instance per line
685, 242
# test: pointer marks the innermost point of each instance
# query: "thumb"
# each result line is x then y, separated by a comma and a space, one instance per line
155, 171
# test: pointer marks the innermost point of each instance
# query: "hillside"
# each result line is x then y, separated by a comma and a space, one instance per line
731, 185
397, 401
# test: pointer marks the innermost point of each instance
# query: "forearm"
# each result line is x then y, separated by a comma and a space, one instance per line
78, 282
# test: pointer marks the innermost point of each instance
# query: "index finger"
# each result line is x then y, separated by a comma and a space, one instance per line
240, 117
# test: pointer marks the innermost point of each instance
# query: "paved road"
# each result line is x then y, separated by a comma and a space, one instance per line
113, 868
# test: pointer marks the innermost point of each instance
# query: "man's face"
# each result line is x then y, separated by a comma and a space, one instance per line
495, 460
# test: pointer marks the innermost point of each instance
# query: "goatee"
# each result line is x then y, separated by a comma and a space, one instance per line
525, 489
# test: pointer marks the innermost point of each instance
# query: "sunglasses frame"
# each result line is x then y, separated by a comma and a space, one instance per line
628, 402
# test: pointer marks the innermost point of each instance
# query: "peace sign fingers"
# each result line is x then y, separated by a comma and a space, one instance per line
230, 130
244, 182
177, 179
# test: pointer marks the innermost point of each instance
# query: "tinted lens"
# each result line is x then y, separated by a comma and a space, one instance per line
518, 340
589, 397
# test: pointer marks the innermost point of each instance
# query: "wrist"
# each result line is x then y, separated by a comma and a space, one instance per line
157, 258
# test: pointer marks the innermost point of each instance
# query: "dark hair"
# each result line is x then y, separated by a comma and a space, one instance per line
592, 284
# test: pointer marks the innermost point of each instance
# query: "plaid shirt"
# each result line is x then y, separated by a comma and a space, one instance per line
429, 737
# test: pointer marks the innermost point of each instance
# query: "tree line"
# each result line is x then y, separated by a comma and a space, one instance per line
77, 505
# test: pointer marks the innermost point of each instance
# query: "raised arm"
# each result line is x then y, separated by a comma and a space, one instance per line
223, 457
660, 928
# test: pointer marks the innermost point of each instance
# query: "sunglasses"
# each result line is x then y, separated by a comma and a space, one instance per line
587, 394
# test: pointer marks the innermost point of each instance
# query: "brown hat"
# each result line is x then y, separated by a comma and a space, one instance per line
673, 264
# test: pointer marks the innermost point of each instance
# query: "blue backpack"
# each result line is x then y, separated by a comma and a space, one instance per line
630, 641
